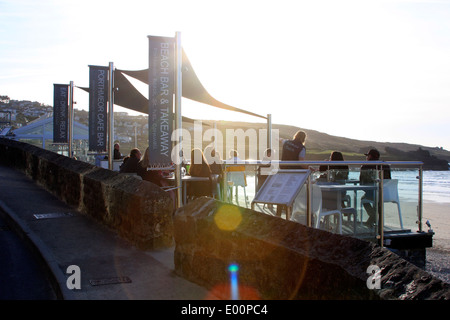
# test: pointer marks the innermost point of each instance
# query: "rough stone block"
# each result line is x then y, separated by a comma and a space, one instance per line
279, 259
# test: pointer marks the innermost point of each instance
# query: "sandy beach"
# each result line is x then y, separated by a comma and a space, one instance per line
438, 257
438, 214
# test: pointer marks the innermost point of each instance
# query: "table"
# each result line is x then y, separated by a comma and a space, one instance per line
346, 187
187, 178
338, 188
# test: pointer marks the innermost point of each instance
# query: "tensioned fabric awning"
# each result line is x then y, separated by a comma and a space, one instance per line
192, 89
127, 96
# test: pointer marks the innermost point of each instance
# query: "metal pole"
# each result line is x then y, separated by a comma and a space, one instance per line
178, 120
224, 184
111, 116
43, 136
380, 207
215, 137
70, 143
419, 209
269, 131
309, 203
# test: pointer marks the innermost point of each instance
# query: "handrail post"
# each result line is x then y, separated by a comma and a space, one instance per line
269, 131
178, 121
225, 184
380, 208
308, 202
420, 204
70, 124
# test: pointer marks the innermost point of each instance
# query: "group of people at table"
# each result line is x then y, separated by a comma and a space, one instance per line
138, 163
292, 150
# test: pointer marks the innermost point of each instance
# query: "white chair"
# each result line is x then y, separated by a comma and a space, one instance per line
390, 194
117, 164
318, 213
235, 179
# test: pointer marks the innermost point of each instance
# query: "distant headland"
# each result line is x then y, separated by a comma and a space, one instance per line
320, 145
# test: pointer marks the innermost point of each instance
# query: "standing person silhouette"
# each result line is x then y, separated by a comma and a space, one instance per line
294, 150
117, 154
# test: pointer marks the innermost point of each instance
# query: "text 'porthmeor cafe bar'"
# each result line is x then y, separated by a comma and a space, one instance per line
98, 116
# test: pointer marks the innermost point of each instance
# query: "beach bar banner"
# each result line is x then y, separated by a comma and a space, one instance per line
98, 108
60, 113
161, 92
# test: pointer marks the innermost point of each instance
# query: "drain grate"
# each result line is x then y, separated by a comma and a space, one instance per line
115, 280
52, 215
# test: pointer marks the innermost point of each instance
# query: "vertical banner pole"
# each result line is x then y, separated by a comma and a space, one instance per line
178, 119
269, 131
43, 136
420, 207
215, 136
70, 124
111, 115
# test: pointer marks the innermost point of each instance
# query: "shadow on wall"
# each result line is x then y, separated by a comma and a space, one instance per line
137, 210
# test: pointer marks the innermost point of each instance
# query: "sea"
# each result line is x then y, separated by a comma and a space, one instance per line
435, 185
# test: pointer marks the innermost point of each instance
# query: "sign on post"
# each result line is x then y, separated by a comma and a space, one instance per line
282, 187
161, 92
98, 108
60, 113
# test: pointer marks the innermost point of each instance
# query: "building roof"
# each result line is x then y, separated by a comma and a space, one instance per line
42, 128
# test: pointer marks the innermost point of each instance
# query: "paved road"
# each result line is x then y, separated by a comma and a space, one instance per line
21, 275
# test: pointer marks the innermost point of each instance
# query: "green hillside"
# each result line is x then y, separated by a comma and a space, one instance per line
320, 145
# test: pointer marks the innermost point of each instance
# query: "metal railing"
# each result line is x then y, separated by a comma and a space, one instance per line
256, 165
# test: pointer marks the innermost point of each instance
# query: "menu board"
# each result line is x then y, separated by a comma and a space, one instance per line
282, 187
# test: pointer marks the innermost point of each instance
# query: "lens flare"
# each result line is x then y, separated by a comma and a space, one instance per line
233, 268
228, 217
234, 285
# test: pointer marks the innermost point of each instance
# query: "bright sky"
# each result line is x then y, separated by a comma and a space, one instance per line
364, 69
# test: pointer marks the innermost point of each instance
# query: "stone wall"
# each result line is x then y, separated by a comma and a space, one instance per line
279, 259
274, 258
137, 210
